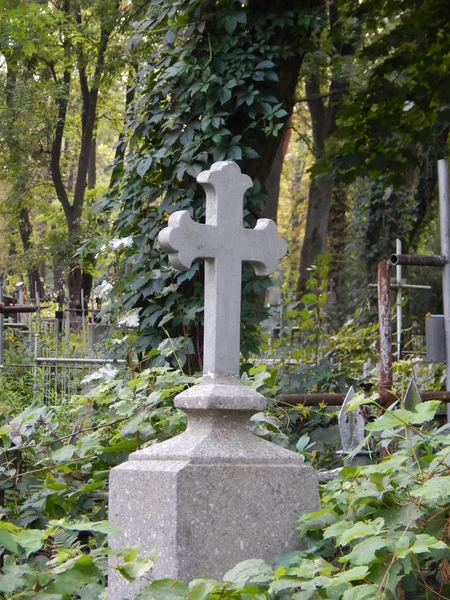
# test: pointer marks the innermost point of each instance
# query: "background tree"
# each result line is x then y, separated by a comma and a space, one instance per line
71, 52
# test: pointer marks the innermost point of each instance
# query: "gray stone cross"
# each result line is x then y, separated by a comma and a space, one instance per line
224, 244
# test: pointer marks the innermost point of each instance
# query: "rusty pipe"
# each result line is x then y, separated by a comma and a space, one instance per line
17, 308
338, 398
310, 399
420, 260
387, 393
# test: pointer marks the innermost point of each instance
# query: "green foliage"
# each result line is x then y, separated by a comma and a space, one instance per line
402, 103
382, 532
53, 480
209, 92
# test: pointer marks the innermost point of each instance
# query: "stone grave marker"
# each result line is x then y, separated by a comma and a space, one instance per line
412, 397
216, 494
352, 430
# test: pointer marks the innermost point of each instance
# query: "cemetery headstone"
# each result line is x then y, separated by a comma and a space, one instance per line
352, 429
216, 494
412, 397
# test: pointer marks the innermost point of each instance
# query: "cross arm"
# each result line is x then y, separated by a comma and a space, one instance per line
265, 248
185, 240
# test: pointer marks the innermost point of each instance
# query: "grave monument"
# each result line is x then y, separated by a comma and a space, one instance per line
216, 494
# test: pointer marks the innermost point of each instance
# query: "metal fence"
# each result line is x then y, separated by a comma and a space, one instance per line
61, 377
57, 374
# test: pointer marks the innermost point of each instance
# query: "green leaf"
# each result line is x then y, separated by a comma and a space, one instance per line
8, 542
427, 543
433, 489
364, 552
337, 529
265, 64
309, 299
164, 589
74, 574
230, 24
361, 529
246, 570
64, 453
317, 520
201, 589
30, 540
362, 592
351, 575
100, 526
424, 412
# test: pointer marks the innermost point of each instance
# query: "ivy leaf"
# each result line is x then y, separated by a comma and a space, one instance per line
64, 453
423, 413
201, 590
135, 569
360, 530
101, 526
351, 575
30, 540
8, 542
427, 543
364, 553
433, 489
337, 529
165, 589
362, 592
246, 570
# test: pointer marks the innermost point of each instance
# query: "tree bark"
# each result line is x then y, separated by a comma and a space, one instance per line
273, 180
25, 224
323, 121
26, 232
85, 175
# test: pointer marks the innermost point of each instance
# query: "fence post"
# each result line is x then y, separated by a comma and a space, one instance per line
444, 226
1, 324
35, 364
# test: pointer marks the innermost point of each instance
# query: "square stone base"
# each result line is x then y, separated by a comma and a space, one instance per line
205, 518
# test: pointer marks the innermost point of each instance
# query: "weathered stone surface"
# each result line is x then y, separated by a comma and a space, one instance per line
210, 497
216, 494
225, 244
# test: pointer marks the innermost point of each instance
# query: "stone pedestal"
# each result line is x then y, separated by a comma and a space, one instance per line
212, 496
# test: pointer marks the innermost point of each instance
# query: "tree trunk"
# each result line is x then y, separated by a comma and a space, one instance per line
25, 224
26, 232
85, 176
337, 242
92, 166
273, 180
315, 240
323, 121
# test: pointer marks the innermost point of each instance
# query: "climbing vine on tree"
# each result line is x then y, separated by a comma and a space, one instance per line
219, 85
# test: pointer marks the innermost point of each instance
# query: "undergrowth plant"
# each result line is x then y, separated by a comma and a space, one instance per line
382, 531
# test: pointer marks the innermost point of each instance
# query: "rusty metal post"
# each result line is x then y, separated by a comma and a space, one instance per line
420, 260
387, 394
398, 279
338, 398
444, 226
2, 329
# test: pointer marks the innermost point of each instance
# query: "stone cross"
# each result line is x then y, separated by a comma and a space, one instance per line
224, 244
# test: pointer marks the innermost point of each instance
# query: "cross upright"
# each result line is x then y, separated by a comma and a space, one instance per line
224, 243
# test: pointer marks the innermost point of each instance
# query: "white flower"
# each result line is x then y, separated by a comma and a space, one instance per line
106, 373
131, 319
118, 243
102, 289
